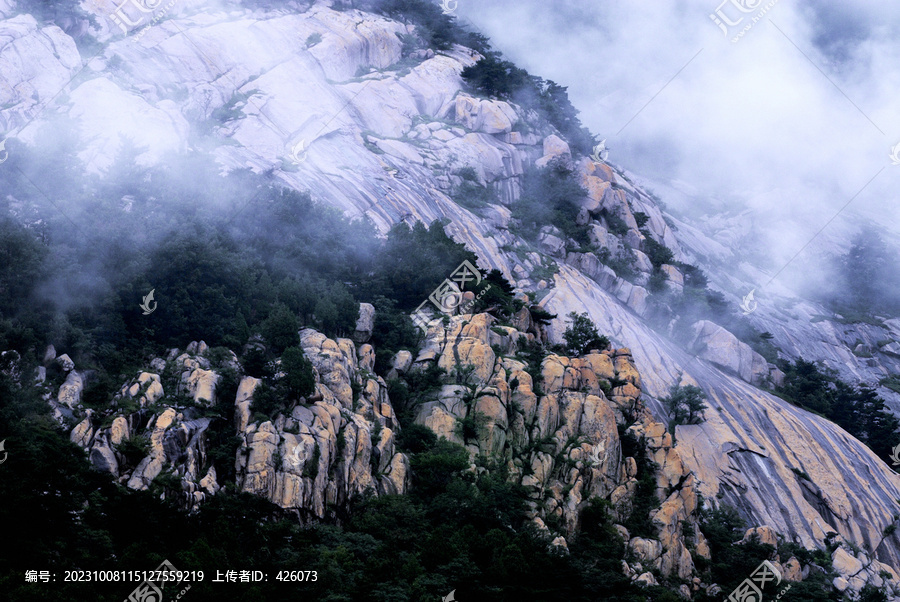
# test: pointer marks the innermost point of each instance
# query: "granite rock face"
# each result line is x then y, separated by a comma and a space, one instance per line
426, 128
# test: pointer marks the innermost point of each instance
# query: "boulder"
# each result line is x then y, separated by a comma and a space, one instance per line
647, 551
483, 115
365, 324
104, 459
715, 344
765, 535
646, 580
71, 390
554, 148
65, 363
792, 570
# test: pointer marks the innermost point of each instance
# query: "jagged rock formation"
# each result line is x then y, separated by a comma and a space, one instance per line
559, 437
316, 453
387, 144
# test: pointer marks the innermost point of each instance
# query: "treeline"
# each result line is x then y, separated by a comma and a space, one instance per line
225, 257
863, 282
492, 75
456, 529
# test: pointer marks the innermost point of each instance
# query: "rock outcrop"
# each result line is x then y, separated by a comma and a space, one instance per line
426, 128
311, 455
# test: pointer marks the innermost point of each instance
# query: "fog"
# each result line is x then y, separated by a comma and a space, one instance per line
790, 122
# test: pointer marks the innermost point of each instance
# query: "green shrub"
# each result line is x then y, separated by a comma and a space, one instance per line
299, 376
552, 195
685, 405
134, 449
581, 335
658, 253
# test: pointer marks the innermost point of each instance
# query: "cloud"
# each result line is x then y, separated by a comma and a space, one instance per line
791, 121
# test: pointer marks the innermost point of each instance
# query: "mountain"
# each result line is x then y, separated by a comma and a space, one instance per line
375, 119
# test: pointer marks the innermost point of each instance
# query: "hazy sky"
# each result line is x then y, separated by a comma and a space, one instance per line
791, 121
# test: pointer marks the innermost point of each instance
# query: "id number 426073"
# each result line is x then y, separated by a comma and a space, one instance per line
297, 576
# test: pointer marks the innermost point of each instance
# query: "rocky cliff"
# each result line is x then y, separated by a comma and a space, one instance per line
558, 427
385, 135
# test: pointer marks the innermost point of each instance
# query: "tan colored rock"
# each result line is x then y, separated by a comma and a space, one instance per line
243, 401
83, 433
630, 467
402, 361
332, 364
677, 561
119, 430
840, 584
648, 551
482, 115
792, 570
646, 580
71, 390
765, 535
65, 363
702, 548
367, 358
201, 385
845, 563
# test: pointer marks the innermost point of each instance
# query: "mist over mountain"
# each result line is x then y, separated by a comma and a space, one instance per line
352, 289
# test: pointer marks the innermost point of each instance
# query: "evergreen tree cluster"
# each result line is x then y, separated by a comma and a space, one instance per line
857, 409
